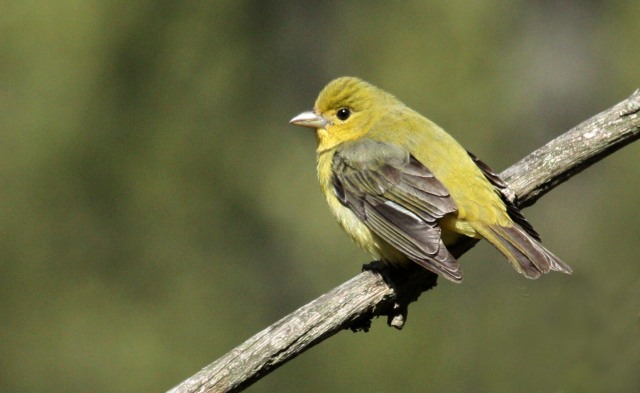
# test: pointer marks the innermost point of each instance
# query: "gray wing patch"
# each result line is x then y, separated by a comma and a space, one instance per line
397, 198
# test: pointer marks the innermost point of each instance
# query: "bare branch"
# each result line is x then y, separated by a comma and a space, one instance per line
574, 151
354, 303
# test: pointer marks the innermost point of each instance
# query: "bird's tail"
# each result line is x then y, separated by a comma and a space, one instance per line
525, 253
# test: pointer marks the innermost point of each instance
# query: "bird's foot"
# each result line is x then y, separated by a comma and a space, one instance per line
407, 284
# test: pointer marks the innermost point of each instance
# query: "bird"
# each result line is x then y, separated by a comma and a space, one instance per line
405, 190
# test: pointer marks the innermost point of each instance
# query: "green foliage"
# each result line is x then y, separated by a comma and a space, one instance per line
156, 209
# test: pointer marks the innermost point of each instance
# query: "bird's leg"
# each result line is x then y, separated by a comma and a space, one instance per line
407, 283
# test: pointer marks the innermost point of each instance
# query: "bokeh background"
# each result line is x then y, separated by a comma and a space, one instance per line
156, 209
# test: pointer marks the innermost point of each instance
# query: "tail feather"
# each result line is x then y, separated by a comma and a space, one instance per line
525, 253
520, 243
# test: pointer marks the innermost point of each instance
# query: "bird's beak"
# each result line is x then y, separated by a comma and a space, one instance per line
309, 119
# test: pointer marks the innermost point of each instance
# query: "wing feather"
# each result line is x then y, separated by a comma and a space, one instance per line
398, 199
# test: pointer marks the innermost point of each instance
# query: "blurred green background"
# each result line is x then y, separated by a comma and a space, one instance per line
156, 209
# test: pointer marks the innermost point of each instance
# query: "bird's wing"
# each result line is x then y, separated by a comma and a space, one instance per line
397, 198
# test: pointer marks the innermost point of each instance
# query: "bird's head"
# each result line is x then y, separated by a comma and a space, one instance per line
345, 110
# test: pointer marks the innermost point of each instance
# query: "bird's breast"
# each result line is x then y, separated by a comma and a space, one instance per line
352, 225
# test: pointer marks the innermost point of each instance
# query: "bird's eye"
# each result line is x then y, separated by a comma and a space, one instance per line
343, 114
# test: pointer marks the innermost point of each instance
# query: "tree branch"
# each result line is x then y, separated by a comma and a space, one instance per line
354, 303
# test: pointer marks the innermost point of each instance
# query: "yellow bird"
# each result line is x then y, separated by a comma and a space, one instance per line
404, 189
